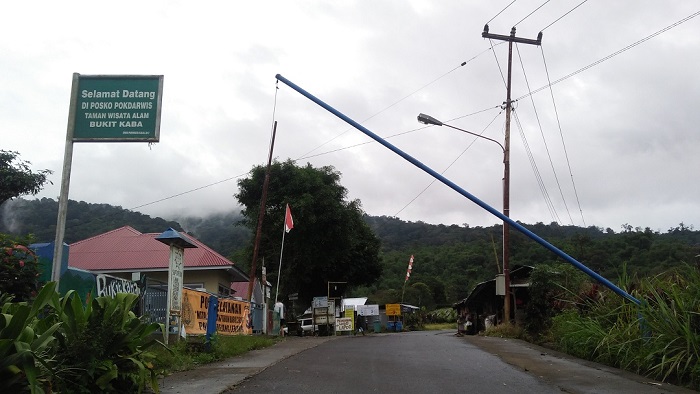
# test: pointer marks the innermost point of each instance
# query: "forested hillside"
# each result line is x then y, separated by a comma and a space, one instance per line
448, 260
84, 220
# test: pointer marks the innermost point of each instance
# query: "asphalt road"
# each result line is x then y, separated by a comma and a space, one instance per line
439, 362
408, 362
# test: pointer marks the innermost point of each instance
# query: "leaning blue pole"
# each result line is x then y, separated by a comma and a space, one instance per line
461, 191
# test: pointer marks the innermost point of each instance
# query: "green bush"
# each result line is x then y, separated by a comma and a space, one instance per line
104, 346
659, 339
444, 315
26, 344
553, 289
58, 344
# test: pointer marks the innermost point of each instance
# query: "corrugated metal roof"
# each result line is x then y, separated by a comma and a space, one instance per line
127, 249
353, 302
519, 275
240, 289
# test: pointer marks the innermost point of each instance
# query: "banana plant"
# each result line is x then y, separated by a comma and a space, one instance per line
103, 346
26, 353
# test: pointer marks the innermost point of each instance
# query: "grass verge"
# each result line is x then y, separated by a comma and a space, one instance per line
192, 353
440, 326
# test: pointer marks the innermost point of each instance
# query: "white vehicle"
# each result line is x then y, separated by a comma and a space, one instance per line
305, 327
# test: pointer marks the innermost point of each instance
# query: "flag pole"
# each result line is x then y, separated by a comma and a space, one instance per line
286, 227
279, 270
408, 275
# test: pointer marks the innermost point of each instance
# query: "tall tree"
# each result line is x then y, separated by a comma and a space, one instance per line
330, 241
16, 178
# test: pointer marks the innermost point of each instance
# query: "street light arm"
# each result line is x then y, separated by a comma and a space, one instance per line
427, 119
476, 135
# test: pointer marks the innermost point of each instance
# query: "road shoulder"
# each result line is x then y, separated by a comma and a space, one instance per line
570, 374
220, 376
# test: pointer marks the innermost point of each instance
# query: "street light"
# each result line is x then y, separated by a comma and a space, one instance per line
429, 120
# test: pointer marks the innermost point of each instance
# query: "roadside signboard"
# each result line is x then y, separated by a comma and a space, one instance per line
108, 285
331, 309
106, 108
324, 314
368, 310
343, 324
320, 302
231, 315
320, 319
118, 108
393, 309
320, 311
349, 313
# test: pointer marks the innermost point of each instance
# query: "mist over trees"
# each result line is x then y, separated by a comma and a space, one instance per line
83, 220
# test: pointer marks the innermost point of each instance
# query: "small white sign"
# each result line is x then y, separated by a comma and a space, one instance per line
368, 310
320, 302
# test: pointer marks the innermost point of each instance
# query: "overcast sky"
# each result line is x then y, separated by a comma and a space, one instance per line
616, 143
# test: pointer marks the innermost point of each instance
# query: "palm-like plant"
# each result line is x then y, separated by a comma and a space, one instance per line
104, 345
26, 344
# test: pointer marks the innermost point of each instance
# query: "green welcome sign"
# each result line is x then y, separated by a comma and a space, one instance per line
118, 108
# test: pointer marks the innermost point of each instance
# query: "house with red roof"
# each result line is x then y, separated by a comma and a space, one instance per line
129, 254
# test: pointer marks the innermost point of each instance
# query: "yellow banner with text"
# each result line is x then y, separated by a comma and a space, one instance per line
233, 316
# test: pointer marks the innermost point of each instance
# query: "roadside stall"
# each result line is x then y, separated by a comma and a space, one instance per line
393, 314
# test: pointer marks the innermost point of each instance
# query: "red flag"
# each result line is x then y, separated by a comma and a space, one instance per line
410, 266
288, 222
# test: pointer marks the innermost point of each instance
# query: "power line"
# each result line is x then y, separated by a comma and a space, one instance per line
385, 109
464, 63
190, 191
561, 134
544, 140
549, 85
448, 167
557, 20
535, 10
499, 13
391, 136
301, 158
597, 62
500, 70
536, 171
307, 155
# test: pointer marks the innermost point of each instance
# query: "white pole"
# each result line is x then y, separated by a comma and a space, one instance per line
65, 185
264, 297
279, 271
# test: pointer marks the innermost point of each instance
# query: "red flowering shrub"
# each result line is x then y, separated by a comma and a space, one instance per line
19, 268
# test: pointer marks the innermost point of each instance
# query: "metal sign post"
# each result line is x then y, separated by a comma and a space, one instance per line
106, 108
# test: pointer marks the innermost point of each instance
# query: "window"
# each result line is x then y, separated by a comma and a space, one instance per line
224, 290
194, 286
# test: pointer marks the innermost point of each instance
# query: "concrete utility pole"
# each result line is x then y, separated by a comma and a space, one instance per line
506, 158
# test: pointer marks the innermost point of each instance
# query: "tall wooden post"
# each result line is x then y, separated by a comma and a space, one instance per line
506, 158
